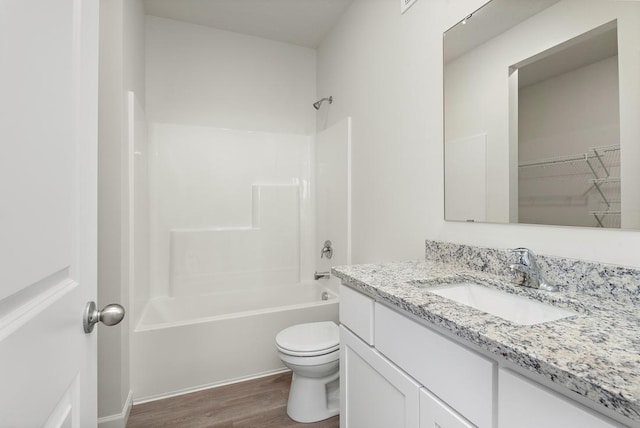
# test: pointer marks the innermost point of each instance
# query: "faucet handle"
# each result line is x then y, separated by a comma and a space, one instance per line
327, 250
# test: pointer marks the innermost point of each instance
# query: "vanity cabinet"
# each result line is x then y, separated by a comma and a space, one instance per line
397, 372
435, 413
460, 377
375, 393
379, 392
526, 404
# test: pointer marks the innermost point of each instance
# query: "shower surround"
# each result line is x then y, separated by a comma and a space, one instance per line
230, 214
228, 207
230, 220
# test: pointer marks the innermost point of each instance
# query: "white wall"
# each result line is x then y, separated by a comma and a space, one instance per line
569, 113
109, 228
482, 109
121, 69
385, 70
199, 75
379, 81
332, 184
629, 63
139, 156
466, 178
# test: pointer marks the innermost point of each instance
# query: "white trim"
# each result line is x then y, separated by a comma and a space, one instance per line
208, 386
119, 420
28, 303
244, 314
349, 192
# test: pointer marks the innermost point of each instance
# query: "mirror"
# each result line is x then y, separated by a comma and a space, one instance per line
542, 114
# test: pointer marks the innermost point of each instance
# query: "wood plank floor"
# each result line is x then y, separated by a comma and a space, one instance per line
258, 403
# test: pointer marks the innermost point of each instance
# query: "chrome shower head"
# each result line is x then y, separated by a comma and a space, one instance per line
318, 103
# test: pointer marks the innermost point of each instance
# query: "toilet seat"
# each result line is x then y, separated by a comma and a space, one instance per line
308, 354
309, 361
309, 340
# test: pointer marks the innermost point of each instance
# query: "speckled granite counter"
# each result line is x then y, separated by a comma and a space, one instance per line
595, 353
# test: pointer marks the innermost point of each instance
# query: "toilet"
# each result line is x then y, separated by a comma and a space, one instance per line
312, 352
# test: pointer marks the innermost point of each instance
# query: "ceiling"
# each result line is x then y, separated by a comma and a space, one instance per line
489, 21
591, 47
300, 22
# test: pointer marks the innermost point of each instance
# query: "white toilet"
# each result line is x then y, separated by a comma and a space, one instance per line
312, 352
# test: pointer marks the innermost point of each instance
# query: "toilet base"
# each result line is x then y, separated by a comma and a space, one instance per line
313, 399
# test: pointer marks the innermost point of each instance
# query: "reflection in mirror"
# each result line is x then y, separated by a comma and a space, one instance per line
569, 133
541, 101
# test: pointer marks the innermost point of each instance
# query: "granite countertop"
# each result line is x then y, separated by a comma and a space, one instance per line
595, 353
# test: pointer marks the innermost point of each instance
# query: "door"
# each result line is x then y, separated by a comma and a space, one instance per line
48, 136
374, 392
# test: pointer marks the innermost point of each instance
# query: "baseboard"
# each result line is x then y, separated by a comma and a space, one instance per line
207, 386
119, 420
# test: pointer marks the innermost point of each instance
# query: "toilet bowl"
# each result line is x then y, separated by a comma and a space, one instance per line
312, 352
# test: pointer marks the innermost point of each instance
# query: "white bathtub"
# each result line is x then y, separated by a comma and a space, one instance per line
189, 343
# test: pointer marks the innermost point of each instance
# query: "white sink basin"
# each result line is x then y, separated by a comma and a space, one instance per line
516, 309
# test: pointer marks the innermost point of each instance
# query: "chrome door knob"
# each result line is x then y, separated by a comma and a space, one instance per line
109, 315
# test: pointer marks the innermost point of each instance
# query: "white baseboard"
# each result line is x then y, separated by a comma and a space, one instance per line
119, 420
207, 386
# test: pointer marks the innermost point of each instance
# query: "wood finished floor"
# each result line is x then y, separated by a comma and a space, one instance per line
259, 403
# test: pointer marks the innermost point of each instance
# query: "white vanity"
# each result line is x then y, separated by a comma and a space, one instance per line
398, 372
413, 358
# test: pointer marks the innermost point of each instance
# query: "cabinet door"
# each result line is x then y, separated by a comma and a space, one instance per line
374, 392
460, 377
436, 414
525, 404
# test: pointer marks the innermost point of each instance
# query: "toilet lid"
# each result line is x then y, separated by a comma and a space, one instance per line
311, 338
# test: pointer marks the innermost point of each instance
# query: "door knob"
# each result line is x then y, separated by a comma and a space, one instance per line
109, 315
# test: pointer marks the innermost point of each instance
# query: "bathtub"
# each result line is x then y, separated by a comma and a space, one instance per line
189, 343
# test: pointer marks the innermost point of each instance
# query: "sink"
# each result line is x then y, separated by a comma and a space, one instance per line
516, 309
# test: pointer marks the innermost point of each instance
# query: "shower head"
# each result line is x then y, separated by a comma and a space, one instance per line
318, 103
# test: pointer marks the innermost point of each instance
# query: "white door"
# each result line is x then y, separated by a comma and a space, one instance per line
48, 141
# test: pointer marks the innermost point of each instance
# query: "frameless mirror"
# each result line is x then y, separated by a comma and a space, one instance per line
542, 114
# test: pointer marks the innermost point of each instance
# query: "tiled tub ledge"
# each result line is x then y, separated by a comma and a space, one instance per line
595, 353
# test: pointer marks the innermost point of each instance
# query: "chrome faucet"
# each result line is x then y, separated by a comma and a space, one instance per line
327, 250
320, 275
527, 265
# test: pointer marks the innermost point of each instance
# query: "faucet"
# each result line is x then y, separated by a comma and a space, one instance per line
527, 265
327, 250
319, 275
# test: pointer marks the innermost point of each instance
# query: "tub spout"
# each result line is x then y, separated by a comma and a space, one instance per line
319, 275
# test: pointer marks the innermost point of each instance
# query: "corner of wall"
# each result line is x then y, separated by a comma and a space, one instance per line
119, 420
